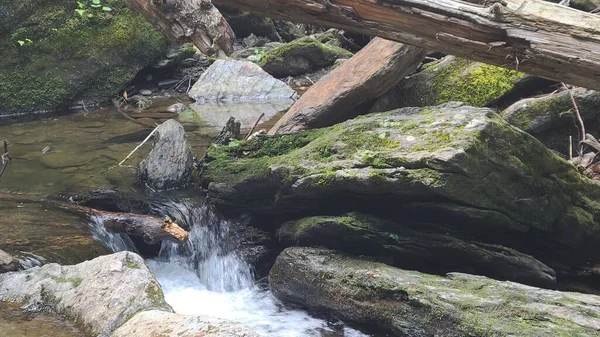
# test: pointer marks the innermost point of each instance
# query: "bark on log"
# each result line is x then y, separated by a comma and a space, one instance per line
189, 20
540, 38
350, 88
150, 228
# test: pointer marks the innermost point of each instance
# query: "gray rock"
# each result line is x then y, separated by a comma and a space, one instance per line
229, 81
252, 41
421, 247
170, 163
458, 167
409, 303
166, 324
216, 115
146, 92
8, 263
100, 294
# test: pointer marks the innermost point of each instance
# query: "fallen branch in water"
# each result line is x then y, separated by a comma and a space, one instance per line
5, 158
150, 228
254, 126
137, 147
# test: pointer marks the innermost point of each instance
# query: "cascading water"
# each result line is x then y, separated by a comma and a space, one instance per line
205, 276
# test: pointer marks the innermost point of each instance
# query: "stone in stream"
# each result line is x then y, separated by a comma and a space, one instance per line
170, 163
352, 87
462, 169
550, 118
414, 247
8, 263
231, 81
409, 303
301, 56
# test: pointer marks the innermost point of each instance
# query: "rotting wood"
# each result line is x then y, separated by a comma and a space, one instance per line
536, 37
149, 228
189, 20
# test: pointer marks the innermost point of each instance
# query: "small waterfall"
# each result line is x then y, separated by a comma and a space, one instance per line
115, 242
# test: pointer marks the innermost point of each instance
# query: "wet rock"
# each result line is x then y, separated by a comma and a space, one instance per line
350, 89
216, 115
146, 92
166, 324
451, 165
257, 52
96, 60
423, 247
170, 163
110, 200
8, 263
409, 303
176, 108
288, 31
301, 56
550, 119
252, 41
244, 24
231, 81
100, 294
450, 79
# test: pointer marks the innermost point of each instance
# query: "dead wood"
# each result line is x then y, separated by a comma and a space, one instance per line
150, 228
5, 158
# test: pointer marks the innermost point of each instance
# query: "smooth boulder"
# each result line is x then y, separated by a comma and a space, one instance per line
418, 247
351, 88
100, 295
231, 81
409, 303
171, 162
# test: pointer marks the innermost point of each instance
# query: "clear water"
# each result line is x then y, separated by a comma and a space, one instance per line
205, 277
16, 323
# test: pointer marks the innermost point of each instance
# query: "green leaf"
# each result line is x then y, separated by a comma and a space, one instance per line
81, 12
106, 9
28, 40
21, 43
90, 15
234, 144
96, 6
80, 4
96, 2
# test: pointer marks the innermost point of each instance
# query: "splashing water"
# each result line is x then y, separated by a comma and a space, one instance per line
205, 276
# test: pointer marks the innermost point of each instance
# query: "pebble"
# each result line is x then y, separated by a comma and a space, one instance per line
146, 92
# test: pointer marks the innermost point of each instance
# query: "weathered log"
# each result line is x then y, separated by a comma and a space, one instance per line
537, 37
189, 20
150, 228
350, 88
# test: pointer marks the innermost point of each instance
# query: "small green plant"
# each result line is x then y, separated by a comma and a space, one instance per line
24, 42
258, 53
82, 8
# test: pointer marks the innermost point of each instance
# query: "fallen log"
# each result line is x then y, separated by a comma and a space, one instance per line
189, 20
149, 228
536, 37
350, 88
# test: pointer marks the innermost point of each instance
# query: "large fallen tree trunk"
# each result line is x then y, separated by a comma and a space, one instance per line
150, 228
350, 88
540, 38
189, 20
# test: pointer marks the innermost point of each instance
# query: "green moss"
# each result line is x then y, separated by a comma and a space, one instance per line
71, 57
155, 294
129, 263
75, 280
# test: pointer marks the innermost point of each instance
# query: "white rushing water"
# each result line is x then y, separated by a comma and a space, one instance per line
201, 277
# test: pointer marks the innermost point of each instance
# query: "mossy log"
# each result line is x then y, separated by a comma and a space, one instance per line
536, 37
185, 20
150, 228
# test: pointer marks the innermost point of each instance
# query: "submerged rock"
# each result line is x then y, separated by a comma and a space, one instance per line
98, 54
166, 324
455, 166
450, 79
419, 247
409, 303
8, 263
231, 81
99, 295
171, 162
300, 57
550, 118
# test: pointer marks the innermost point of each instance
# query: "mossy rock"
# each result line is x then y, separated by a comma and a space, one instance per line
550, 118
301, 56
52, 57
451, 79
408, 303
452, 164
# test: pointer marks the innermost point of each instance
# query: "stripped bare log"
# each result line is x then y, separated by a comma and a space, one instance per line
189, 20
534, 36
150, 228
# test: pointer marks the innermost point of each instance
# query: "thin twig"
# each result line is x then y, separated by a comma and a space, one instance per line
577, 114
137, 147
254, 126
5, 158
571, 148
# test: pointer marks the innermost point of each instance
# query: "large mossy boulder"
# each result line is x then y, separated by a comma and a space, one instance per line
551, 118
420, 247
453, 165
451, 79
409, 303
300, 56
52, 57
